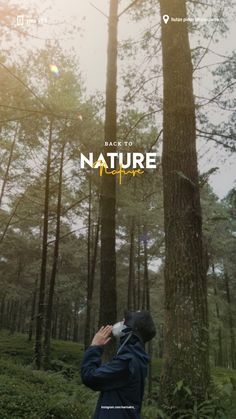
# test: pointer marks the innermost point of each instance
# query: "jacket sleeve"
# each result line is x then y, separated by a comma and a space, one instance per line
109, 376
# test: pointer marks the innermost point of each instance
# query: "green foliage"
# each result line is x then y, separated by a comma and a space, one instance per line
64, 409
209, 409
224, 389
151, 411
68, 371
219, 404
17, 347
205, 410
29, 394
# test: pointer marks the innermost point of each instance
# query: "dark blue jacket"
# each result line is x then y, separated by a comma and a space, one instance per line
121, 381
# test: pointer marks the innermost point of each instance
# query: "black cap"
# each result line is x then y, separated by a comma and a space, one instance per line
141, 323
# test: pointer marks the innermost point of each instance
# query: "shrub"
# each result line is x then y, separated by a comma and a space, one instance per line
65, 409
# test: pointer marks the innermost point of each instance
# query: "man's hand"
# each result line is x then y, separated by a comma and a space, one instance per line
102, 336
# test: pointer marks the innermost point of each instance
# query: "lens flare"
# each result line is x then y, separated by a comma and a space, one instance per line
54, 70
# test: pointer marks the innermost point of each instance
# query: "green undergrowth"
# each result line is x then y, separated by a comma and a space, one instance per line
26, 393
221, 403
59, 394
17, 347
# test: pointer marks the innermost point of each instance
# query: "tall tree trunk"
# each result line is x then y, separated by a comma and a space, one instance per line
145, 295
90, 287
108, 294
25, 314
19, 317
60, 329
186, 322
33, 306
48, 319
146, 303
75, 321
139, 269
7, 313
231, 322
131, 282
55, 321
146, 276
65, 331
13, 326
2, 311
40, 314
219, 358
160, 342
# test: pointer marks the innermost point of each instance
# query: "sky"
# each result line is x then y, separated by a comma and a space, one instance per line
90, 46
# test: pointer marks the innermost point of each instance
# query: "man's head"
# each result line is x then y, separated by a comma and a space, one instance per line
141, 324
138, 323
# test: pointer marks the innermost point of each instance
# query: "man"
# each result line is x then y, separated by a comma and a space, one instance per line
121, 381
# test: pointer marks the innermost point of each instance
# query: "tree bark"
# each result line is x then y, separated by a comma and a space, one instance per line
139, 270
19, 317
146, 276
108, 294
90, 287
55, 321
33, 306
231, 322
40, 314
75, 322
219, 358
48, 320
186, 321
145, 295
2, 312
131, 282
60, 329
14, 312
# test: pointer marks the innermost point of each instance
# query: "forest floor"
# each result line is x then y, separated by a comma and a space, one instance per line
59, 394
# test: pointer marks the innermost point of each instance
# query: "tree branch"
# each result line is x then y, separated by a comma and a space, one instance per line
128, 7
100, 11
137, 122
9, 221
216, 96
223, 144
25, 86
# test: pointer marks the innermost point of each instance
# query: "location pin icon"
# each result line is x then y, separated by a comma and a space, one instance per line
166, 18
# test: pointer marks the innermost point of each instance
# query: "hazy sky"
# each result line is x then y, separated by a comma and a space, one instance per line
90, 47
